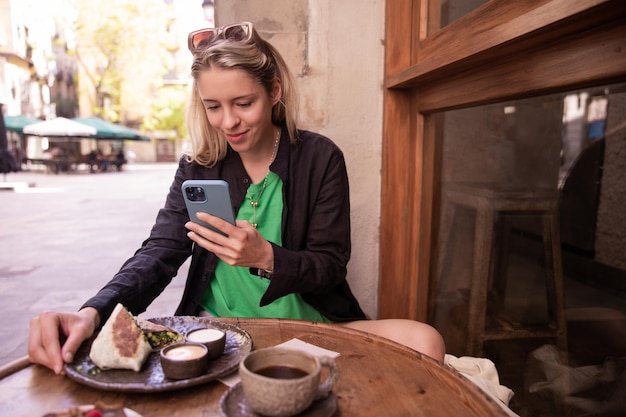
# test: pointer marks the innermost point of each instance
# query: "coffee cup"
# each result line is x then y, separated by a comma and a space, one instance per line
280, 382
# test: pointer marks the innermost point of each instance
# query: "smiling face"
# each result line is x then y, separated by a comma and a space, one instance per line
239, 107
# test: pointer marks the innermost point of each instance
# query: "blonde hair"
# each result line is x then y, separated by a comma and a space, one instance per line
264, 64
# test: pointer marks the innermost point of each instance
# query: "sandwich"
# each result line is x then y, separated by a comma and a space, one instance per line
121, 344
158, 335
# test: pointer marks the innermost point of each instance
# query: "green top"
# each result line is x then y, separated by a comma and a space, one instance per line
233, 291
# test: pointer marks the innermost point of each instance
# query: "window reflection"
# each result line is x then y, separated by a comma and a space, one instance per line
444, 12
503, 160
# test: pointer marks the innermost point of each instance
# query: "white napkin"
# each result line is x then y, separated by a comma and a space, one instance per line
314, 350
233, 379
483, 373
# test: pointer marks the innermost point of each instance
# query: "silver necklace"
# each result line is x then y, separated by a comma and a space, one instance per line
255, 203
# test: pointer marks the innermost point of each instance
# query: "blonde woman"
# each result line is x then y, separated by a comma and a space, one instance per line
286, 256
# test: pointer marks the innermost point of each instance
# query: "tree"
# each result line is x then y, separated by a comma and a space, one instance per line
122, 47
168, 111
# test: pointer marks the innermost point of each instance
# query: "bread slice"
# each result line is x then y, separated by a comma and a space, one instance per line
121, 344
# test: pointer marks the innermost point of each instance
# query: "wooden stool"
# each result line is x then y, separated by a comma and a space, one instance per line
490, 205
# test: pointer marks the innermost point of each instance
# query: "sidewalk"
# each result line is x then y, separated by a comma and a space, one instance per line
64, 236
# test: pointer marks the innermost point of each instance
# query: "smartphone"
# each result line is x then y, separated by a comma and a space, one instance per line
209, 196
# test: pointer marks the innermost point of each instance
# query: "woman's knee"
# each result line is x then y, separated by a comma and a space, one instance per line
414, 334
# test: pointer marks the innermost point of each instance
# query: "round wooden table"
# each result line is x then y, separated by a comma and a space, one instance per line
377, 378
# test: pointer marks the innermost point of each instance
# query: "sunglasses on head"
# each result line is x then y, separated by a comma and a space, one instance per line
203, 38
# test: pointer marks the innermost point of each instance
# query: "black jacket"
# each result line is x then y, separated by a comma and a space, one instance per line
315, 235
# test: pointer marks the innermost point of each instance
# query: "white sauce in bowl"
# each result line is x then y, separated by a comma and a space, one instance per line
184, 353
205, 335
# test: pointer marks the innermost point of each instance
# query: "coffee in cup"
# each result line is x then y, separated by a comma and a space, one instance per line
280, 382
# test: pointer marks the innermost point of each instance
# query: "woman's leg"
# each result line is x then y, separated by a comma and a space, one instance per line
414, 334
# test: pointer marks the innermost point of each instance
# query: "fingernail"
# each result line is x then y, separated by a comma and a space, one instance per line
58, 369
68, 356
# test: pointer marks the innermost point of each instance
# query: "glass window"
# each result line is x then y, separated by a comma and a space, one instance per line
444, 12
505, 167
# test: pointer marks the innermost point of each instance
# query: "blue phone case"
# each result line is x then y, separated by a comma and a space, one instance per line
208, 196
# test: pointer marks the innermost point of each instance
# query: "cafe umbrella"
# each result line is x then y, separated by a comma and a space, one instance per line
7, 162
111, 131
18, 123
60, 127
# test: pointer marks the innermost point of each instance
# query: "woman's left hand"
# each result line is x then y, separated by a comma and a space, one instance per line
244, 245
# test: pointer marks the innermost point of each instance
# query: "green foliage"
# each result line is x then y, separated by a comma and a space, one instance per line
168, 111
122, 48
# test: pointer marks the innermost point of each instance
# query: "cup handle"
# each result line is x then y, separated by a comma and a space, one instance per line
331, 379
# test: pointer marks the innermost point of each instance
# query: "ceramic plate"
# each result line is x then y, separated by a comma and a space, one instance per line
151, 377
233, 404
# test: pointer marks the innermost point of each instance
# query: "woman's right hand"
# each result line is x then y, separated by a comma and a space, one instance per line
47, 330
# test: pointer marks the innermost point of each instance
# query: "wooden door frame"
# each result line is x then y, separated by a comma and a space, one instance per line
505, 49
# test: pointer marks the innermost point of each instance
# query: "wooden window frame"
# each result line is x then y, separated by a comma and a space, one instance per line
529, 48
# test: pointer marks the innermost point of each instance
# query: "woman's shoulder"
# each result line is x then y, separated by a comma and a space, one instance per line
188, 168
308, 139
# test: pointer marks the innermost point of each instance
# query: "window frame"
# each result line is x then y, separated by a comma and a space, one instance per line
531, 48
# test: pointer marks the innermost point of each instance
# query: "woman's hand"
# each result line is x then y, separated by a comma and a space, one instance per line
244, 245
47, 329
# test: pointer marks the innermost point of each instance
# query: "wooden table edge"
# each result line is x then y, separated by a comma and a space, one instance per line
14, 366
331, 326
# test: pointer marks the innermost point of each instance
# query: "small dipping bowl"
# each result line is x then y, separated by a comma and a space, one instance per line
184, 360
213, 339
